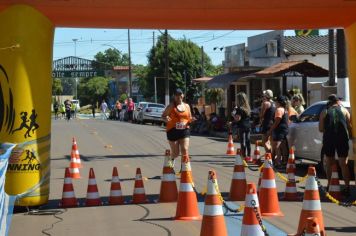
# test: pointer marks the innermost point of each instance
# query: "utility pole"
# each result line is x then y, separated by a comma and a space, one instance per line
166, 68
341, 61
130, 72
75, 46
331, 58
202, 75
153, 39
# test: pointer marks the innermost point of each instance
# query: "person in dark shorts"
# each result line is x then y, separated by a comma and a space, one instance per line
266, 116
178, 117
241, 115
279, 130
335, 124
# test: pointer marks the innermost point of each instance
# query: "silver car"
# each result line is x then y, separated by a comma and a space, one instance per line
150, 112
304, 134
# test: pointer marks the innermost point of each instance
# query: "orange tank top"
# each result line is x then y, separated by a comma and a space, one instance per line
179, 119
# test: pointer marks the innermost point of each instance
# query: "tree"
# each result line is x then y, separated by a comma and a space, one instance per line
92, 90
110, 57
57, 88
184, 62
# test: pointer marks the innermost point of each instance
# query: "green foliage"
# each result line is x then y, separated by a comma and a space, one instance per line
92, 90
57, 88
123, 97
68, 85
214, 96
111, 57
184, 61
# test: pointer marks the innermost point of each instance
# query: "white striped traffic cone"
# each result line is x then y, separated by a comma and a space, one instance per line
268, 194
93, 197
75, 153
230, 146
139, 194
291, 193
68, 195
238, 183
334, 186
250, 223
169, 191
213, 223
311, 203
115, 189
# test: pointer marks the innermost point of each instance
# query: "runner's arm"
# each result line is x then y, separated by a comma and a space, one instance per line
167, 112
321, 121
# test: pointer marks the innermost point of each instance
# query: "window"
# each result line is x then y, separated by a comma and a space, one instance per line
156, 105
312, 113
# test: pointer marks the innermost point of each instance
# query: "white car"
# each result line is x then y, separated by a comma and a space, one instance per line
150, 112
304, 134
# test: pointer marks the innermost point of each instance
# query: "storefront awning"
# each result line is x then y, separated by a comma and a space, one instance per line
305, 68
223, 81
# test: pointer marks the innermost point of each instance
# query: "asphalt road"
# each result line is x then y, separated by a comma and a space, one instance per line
104, 144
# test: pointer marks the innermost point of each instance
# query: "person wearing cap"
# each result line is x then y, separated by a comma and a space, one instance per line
279, 130
178, 117
266, 117
335, 124
297, 103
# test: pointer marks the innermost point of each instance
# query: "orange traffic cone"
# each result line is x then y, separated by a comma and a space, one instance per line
68, 195
291, 193
139, 195
312, 227
334, 186
259, 181
169, 191
75, 154
311, 203
238, 183
115, 189
213, 223
187, 204
93, 197
256, 154
230, 146
74, 173
250, 223
268, 194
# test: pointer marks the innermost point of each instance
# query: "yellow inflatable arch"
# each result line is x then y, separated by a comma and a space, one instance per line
26, 42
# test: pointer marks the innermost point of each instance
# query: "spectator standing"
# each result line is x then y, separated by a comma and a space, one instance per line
62, 109
73, 110
68, 106
335, 124
103, 108
297, 103
266, 116
55, 108
130, 109
118, 107
242, 115
279, 130
93, 106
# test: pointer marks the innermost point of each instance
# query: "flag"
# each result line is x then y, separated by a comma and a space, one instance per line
307, 32
6, 201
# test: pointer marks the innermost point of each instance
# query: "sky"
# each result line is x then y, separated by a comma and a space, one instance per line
91, 41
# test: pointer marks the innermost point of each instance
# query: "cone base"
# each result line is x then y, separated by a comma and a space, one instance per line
116, 201
72, 203
90, 203
213, 226
272, 214
188, 217
230, 154
139, 199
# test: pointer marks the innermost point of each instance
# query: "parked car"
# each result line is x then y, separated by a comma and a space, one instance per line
304, 135
150, 112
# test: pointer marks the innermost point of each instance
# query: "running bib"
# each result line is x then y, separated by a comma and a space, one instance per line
180, 125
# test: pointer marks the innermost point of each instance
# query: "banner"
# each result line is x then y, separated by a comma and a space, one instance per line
6, 201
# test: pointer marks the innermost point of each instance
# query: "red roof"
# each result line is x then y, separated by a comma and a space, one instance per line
121, 68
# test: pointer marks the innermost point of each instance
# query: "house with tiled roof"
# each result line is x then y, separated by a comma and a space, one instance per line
269, 49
